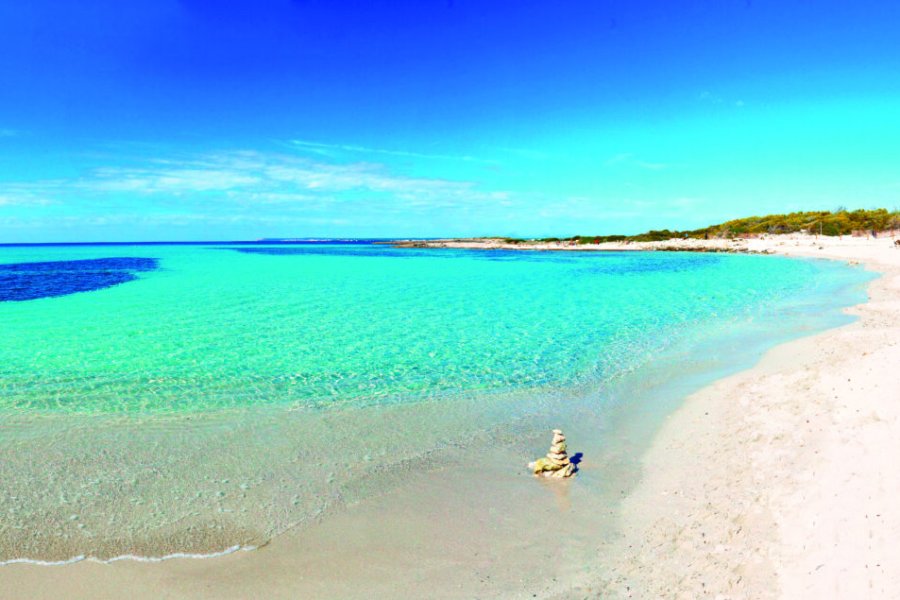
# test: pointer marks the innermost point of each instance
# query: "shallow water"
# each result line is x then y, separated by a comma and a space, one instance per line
216, 395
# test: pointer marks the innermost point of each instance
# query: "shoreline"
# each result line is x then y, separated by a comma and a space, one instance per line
762, 244
735, 246
645, 569
122, 557
777, 482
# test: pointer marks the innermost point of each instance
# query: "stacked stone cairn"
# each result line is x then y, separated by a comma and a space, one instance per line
556, 463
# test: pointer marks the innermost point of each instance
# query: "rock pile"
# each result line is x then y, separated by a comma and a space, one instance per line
556, 463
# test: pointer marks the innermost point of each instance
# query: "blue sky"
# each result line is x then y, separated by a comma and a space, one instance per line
165, 120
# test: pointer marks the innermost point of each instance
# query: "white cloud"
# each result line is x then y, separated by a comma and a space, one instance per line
24, 195
332, 149
712, 98
160, 220
247, 185
177, 180
269, 192
269, 176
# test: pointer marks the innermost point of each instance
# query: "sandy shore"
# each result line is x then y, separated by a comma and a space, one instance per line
781, 481
776, 482
692, 245
766, 244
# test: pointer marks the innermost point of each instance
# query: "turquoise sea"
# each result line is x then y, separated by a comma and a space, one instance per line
157, 399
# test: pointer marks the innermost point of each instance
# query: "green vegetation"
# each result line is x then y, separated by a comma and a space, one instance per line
838, 222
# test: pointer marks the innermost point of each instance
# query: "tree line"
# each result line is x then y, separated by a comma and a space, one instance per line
824, 222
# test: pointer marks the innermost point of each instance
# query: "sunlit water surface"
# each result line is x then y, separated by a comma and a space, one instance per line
160, 399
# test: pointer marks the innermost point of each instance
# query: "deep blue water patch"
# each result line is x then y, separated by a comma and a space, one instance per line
30, 281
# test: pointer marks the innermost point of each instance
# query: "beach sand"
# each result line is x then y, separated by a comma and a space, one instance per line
781, 481
775, 482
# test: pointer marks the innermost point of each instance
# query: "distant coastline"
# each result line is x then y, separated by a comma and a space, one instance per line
670, 245
748, 235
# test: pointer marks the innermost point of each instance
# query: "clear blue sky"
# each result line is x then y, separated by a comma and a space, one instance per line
160, 120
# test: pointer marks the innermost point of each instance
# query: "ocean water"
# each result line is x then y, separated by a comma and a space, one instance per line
189, 399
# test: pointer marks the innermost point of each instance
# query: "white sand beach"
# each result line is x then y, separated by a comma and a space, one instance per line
781, 481
777, 482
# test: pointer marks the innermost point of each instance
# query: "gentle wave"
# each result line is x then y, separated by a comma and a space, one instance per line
133, 557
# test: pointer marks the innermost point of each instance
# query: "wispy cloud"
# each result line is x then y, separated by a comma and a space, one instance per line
332, 149
159, 220
265, 193
709, 97
263, 176
8, 132
24, 194
528, 153
167, 180
252, 187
